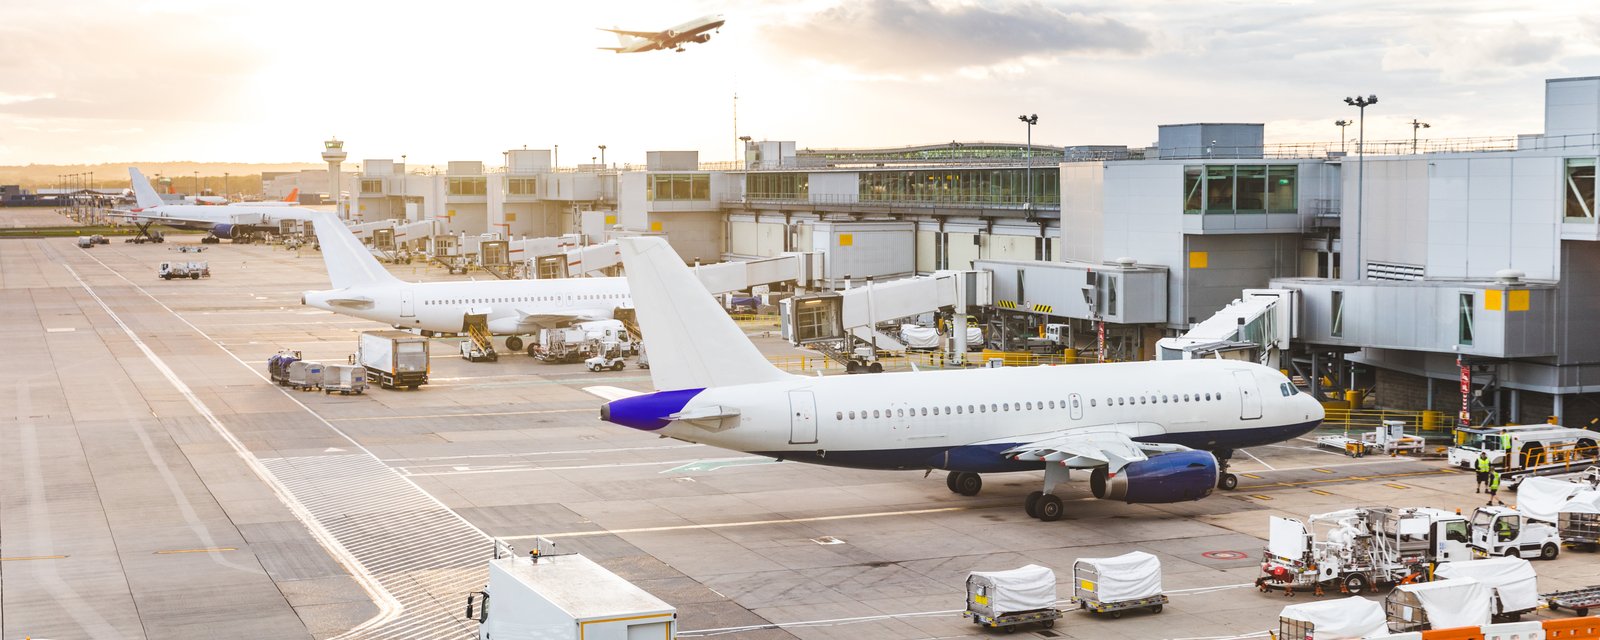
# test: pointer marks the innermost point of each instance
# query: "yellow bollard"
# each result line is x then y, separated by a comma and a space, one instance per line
1353, 397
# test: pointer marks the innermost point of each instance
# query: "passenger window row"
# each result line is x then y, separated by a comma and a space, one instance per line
950, 410
607, 296
1159, 399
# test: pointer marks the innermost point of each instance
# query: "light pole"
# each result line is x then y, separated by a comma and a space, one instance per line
602, 155
557, 160
197, 184
1416, 124
225, 187
1341, 124
1361, 104
745, 151
1030, 120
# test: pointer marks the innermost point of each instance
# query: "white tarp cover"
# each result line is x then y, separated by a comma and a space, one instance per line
917, 337
1585, 502
1286, 538
974, 338
1462, 602
1541, 498
1129, 576
1513, 578
1346, 619
1024, 589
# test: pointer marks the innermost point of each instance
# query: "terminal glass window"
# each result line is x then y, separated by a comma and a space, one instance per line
680, 186
1580, 189
777, 186
962, 186
1464, 329
1251, 189
1281, 185
523, 186
1193, 190
1337, 328
467, 186
1219, 188
372, 185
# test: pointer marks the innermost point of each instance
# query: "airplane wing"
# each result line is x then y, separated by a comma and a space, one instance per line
558, 319
1086, 450
129, 213
652, 35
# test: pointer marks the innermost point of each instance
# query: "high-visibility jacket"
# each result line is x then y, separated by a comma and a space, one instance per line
1505, 441
1483, 464
1494, 481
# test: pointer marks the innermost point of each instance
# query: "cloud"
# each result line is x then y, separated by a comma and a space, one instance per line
920, 36
1464, 53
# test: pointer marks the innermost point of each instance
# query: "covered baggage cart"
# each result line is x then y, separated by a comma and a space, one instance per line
305, 375
1540, 498
1578, 519
1344, 619
1010, 598
1513, 585
1113, 585
1442, 604
344, 378
278, 366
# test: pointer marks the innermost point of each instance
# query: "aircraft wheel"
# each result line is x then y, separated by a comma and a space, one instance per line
1031, 504
513, 343
1049, 508
1228, 482
950, 481
969, 484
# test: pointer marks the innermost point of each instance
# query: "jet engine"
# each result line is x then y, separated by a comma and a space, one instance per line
702, 38
227, 230
1170, 477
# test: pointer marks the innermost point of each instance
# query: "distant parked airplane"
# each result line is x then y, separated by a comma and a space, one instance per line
235, 221
674, 38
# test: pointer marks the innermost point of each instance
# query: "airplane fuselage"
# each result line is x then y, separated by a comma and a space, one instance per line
512, 307
962, 420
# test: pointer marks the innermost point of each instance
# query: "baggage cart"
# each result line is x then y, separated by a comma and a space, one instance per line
1352, 617
1578, 519
1442, 604
1512, 584
1006, 599
344, 378
305, 375
1578, 601
1115, 585
278, 366
85, 242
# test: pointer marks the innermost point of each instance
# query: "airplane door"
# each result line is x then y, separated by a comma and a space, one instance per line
1077, 406
802, 417
1249, 395
408, 308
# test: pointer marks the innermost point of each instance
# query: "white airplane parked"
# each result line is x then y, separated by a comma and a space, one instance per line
1147, 432
674, 38
364, 289
232, 221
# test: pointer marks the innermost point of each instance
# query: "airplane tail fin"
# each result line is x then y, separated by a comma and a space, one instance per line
143, 193
294, 196
349, 262
693, 342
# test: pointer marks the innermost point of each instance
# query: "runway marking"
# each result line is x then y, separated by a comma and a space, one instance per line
603, 465
1260, 497
460, 415
60, 330
1322, 470
747, 523
546, 453
1251, 476
206, 550
1395, 485
26, 558
1253, 457
1321, 492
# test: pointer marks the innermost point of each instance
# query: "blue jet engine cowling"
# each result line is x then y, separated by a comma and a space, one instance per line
1170, 477
226, 230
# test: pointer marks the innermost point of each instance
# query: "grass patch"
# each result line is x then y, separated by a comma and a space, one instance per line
72, 232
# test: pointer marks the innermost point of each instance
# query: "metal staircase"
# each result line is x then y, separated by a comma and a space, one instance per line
477, 326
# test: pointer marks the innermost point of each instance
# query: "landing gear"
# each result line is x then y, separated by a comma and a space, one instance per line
1045, 504
1049, 508
1225, 481
964, 483
513, 343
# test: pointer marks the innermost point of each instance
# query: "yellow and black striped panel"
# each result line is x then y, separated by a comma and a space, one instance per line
1043, 308
1006, 304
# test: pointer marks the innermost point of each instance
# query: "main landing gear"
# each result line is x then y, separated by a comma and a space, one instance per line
514, 343
1225, 481
1044, 505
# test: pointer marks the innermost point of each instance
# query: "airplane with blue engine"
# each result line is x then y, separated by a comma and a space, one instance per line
235, 222
1145, 432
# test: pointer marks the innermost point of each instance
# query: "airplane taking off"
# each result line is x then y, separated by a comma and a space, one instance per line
232, 221
364, 289
1147, 432
674, 38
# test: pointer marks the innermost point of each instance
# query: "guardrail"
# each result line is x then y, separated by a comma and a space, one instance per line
1422, 420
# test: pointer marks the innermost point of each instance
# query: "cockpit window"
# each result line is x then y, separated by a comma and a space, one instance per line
1287, 388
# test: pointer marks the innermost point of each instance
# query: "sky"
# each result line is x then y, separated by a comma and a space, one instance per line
164, 80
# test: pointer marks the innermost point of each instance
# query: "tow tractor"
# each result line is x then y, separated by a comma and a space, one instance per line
1539, 449
1361, 548
1503, 531
610, 358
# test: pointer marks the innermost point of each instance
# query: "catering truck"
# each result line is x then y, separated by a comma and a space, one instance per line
564, 597
394, 358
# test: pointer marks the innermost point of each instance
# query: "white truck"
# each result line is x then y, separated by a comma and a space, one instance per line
580, 341
564, 597
1504, 532
191, 270
1532, 446
1361, 548
394, 358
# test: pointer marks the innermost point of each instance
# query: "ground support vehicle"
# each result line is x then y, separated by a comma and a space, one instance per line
1360, 548
608, 361
580, 341
1352, 617
99, 239
564, 597
472, 351
644, 357
1513, 586
85, 243
1118, 584
1578, 519
278, 366
191, 270
1539, 449
344, 378
1503, 531
304, 375
1578, 601
393, 358
1389, 439
1441, 604
1006, 599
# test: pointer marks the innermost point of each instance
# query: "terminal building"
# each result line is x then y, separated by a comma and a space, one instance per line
1413, 262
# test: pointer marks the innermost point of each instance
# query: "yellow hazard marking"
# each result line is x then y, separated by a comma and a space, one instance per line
1323, 470
21, 558
1321, 492
1259, 496
206, 550
1251, 476
1395, 485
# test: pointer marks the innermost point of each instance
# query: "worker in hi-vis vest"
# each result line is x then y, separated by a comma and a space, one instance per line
1505, 445
1481, 465
1494, 487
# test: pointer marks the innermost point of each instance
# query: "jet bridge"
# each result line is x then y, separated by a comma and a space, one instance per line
1257, 327
824, 320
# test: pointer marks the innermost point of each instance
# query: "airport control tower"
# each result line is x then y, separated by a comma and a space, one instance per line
333, 154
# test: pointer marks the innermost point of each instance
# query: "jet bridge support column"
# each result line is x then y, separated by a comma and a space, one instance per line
958, 326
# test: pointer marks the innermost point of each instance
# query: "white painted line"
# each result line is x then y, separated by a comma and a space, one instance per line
546, 453
607, 465
747, 523
1253, 457
462, 415
60, 330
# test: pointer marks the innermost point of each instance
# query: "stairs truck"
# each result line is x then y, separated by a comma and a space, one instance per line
394, 358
